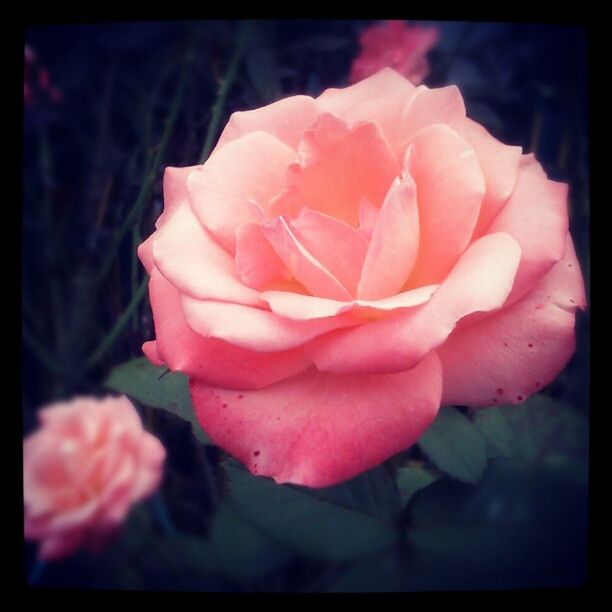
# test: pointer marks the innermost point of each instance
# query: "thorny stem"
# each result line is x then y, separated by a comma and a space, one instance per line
224, 87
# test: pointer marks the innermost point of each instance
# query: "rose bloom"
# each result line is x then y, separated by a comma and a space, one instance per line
341, 266
83, 469
394, 44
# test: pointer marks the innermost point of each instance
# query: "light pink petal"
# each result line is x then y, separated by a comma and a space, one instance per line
339, 247
253, 328
319, 429
480, 281
450, 187
298, 306
536, 217
249, 168
302, 265
145, 253
513, 353
499, 163
442, 105
209, 359
394, 244
367, 217
340, 165
381, 99
150, 350
186, 254
175, 191
285, 119
257, 264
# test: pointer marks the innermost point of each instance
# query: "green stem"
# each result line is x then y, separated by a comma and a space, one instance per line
147, 186
45, 358
123, 320
224, 87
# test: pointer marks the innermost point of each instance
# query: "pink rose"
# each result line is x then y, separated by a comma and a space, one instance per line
394, 44
83, 469
342, 265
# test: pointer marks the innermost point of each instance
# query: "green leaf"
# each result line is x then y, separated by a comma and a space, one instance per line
349, 521
378, 574
241, 552
539, 429
158, 388
455, 446
411, 479
524, 525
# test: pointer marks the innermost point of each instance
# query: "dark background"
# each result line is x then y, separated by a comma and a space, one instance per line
136, 97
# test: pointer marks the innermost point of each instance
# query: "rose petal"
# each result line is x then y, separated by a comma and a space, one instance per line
302, 265
256, 262
480, 281
450, 187
249, 168
340, 165
210, 359
394, 244
319, 429
255, 329
297, 306
442, 105
513, 353
536, 217
499, 163
195, 264
285, 119
339, 247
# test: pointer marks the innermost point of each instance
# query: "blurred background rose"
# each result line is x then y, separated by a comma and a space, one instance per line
85, 467
395, 44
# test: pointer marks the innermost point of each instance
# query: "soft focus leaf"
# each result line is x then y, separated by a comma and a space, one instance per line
377, 574
411, 479
240, 551
522, 526
455, 446
540, 428
156, 387
339, 523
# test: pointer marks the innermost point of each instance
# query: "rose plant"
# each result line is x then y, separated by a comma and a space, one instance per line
342, 266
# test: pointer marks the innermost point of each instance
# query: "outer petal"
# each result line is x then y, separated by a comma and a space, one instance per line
381, 98
394, 244
250, 168
536, 217
175, 191
443, 105
208, 359
340, 165
256, 329
298, 306
319, 429
285, 119
256, 261
195, 264
514, 352
480, 281
499, 163
450, 188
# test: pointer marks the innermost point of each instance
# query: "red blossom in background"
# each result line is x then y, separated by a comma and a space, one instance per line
395, 44
37, 84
